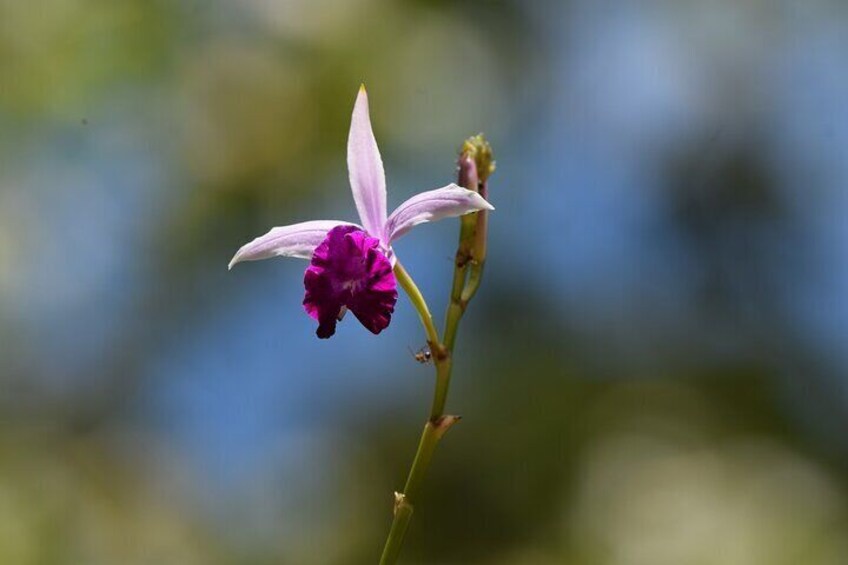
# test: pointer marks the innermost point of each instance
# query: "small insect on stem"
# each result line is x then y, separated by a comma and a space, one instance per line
423, 355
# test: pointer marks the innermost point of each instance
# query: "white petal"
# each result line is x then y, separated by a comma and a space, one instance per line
365, 167
296, 240
433, 205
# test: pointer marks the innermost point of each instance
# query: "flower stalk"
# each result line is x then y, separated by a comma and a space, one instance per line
475, 166
353, 267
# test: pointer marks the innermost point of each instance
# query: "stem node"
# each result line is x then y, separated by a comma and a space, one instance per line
444, 423
438, 351
400, 503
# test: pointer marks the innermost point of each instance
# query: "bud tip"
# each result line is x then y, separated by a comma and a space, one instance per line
478, 149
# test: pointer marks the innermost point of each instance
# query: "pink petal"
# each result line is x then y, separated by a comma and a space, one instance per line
367, 178
446, 202
296, 240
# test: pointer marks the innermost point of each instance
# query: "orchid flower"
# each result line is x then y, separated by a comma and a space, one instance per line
351, 265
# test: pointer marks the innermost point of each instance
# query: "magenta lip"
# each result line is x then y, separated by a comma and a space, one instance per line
349, 270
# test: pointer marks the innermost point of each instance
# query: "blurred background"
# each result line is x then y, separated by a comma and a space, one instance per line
655, 371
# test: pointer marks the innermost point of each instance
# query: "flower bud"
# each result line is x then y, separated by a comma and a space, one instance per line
475, 165
467, 177
476, 150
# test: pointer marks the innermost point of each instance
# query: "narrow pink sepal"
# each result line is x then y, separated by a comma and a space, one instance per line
365, 167
433, 205
295, 240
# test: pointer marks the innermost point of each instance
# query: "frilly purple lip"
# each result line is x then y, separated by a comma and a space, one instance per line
349, 270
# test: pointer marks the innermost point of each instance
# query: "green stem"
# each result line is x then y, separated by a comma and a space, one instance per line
456, 307
418, 302
475, 165
475, 275
405, 502
400, 523
440, 395
468, 272
434, 429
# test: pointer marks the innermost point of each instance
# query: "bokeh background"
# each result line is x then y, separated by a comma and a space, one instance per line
655, 371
